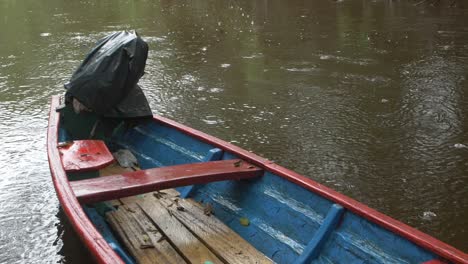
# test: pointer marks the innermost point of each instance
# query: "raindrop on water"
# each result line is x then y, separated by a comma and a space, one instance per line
428, 215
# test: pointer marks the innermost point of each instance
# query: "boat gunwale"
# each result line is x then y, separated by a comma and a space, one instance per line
93, 240
103, 253
420, 238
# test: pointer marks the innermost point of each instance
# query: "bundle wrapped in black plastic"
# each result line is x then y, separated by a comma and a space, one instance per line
106, 81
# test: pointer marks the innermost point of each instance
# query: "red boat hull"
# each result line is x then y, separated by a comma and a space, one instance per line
104, 254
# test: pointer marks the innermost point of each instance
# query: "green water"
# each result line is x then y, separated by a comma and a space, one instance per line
367, 97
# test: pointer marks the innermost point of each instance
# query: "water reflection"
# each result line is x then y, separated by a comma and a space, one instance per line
28, 203
367, 97
71, 249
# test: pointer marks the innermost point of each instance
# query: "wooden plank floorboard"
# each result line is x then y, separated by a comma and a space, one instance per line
221, 239
127, 233
141, 237
177, 234
226, 244
191, 234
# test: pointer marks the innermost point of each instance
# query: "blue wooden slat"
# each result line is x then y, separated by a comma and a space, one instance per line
213, 154
105, 231
358, 240
328, 226
161, 146
280, 225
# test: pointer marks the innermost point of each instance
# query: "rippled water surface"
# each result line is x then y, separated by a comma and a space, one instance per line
367, 97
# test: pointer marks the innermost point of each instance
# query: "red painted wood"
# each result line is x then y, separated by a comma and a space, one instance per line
419, 238
143, 181
92, 239
104, 254
85, 155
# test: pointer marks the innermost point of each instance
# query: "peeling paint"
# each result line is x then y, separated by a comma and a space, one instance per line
294, 205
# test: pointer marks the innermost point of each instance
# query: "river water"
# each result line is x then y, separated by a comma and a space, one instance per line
367, 97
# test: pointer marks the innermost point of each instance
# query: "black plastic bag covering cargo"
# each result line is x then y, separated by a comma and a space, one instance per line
106, 81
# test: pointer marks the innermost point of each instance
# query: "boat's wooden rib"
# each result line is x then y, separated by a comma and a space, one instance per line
142, 181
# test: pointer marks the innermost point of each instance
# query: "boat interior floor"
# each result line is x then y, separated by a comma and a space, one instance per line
161, 227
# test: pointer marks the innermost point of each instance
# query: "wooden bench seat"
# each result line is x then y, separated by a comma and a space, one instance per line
161, 227
84, 155
143, 181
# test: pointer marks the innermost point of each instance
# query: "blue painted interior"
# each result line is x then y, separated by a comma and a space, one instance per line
284, 218
101, 225
213, 154
159, 146
314, 247
286, 222
359, 240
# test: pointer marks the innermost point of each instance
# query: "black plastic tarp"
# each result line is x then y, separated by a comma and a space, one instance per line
106, 81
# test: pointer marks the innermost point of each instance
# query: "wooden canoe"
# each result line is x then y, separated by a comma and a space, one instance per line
287, 217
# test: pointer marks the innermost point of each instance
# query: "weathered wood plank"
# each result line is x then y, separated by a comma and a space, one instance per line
177, 234
142, 181
218, 237
141, 237
227, 245
165, 252
170, 192
127, 233
113, 169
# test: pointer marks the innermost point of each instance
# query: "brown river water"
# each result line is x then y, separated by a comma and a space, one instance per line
367, 97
